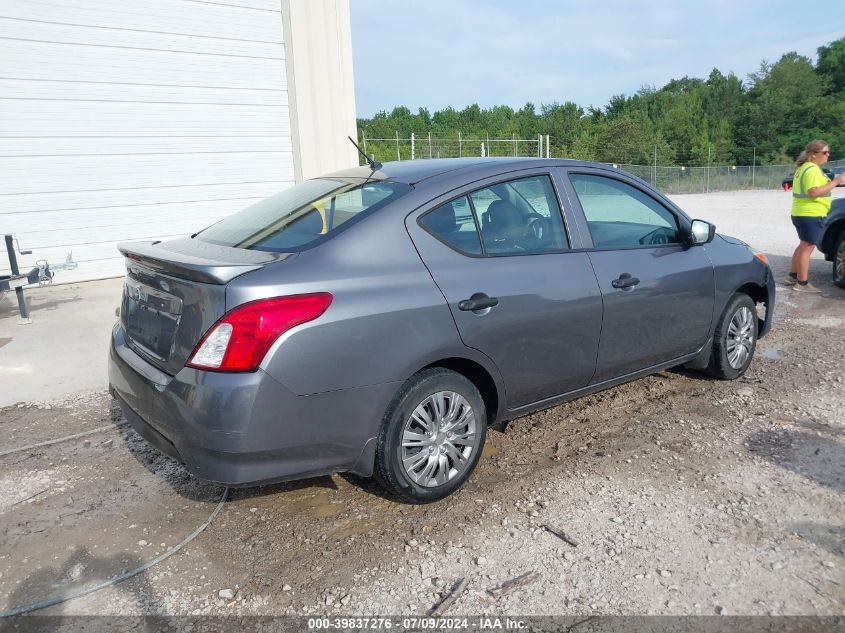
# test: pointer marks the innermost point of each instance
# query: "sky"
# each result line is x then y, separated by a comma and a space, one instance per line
440, 53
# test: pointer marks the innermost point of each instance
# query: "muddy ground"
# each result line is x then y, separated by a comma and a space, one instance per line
684, 495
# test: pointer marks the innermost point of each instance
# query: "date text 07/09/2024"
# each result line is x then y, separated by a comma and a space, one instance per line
416, 623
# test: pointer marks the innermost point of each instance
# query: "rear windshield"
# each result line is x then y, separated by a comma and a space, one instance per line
303, 215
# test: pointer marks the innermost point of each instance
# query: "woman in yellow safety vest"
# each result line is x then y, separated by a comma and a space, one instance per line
810, 204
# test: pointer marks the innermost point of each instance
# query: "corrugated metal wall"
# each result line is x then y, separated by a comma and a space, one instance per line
128, 120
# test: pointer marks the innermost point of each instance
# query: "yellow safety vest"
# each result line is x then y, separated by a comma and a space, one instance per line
806, 177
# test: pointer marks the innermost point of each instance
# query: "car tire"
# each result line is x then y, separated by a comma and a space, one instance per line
735, 339
431, 437
839, 260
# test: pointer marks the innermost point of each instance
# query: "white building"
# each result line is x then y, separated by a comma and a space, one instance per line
124, 120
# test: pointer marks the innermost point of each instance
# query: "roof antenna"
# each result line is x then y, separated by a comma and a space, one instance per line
372, 162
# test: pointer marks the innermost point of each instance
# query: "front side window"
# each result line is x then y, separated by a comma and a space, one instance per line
302, 215
622, 216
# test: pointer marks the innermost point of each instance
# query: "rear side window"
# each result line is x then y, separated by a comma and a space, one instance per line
516, 217
622, 216
303, 215
454, 224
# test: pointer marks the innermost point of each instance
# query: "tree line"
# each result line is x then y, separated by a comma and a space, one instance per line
766, 119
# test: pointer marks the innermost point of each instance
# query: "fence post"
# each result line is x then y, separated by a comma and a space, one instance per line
753, 165
707, 190
364, 138
460, 146
514, 144
655, 166
413, 146
429, 144
398, 155
547, 146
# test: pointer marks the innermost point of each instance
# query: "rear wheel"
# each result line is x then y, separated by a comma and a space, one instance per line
839, 261
431, 437
735, 339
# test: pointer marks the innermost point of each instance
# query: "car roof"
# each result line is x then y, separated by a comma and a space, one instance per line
414, 171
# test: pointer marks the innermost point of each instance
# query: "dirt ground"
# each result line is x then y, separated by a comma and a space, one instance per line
683, 495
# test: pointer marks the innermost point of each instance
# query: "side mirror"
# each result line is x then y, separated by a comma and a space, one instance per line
702, 232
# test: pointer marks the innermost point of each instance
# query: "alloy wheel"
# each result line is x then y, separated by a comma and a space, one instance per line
438, 439
740, 337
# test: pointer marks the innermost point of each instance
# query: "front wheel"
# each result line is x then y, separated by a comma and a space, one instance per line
839, 261
735, 339
431, 437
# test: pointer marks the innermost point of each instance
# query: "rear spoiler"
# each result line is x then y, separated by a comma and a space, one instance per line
197, 261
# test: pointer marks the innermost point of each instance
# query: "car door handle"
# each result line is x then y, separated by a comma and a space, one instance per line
625, 281
478, 301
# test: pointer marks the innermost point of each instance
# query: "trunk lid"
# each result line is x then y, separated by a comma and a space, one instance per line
175, 291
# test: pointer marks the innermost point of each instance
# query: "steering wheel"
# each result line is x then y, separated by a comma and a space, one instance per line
658, 236
535, 226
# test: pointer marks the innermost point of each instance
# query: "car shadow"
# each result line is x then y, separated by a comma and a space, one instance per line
268, 490
167, 469
828, 537
809, 451
9, 304
80, 571
369, 486
692, 374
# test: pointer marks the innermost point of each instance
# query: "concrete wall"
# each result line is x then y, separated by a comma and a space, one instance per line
318, 57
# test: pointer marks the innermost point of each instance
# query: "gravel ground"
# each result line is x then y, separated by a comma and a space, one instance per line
683, 495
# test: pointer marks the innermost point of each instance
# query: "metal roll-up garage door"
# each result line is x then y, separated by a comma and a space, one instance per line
128, 120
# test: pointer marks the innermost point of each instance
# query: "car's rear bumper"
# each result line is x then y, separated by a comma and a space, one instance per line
246, 428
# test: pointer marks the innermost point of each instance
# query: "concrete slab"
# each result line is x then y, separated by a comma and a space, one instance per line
63, 351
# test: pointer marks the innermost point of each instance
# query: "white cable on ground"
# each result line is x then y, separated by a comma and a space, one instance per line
63, 439
84, 591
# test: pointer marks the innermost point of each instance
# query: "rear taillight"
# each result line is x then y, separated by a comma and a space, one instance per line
239, 341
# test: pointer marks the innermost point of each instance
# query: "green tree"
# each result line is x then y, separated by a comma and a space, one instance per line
689, 121
831, 64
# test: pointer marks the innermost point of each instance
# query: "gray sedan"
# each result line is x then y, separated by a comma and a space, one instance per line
380, 321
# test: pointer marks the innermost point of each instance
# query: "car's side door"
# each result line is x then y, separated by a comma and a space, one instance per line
658, 290
499, 252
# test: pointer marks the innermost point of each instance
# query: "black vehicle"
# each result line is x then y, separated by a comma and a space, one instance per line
832, 240
786, 183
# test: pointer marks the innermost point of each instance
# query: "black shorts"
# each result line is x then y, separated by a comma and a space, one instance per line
809, 229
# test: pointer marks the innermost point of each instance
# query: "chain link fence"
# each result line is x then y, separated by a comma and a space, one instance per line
419, 147
669, 179
713, 178
674, 180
